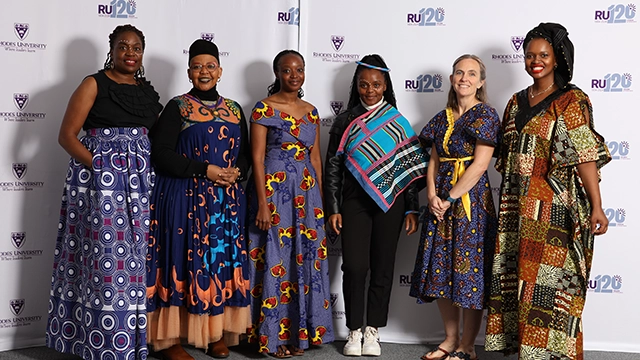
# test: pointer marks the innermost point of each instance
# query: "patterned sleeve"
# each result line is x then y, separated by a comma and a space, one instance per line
575, 140
486, 126
263, 114
502, 149
428, 133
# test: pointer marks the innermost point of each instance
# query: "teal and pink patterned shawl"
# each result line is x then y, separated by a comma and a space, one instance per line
383, 153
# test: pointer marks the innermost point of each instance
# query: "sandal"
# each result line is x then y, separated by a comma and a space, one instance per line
463, 355
281, 353
295, 351
437, 348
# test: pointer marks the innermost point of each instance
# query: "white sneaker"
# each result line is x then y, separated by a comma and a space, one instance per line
371, 345
353, 347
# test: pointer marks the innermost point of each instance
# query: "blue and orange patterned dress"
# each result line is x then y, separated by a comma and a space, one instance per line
197, 284
454, 255
289, 272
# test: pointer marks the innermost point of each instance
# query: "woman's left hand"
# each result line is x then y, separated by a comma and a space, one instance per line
599, 221
411, 223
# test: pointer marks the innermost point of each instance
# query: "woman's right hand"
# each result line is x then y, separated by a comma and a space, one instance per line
263, 219
220, 176
335, 222
438, 207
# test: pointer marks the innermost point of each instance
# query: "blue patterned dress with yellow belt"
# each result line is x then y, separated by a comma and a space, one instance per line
453, 254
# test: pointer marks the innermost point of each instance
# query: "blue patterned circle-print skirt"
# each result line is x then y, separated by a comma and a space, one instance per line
97, 304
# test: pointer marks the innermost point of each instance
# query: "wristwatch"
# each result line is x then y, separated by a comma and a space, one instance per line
446, 196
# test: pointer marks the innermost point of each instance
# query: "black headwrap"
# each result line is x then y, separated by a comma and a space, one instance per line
200, 47
558, 37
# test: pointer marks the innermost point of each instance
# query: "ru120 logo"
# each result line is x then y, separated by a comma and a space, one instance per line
118, 9
426, 83
619, 150
291, 17
616, 217
617, 14
606, 284
613, 83
405, 280
426, 17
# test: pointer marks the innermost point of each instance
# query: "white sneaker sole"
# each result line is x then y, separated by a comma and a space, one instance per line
352, 352
371, 352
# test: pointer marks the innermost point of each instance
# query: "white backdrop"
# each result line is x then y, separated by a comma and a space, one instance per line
47, 47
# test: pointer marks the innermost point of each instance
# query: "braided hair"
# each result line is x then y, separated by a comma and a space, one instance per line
275, 87
120, 29
375, 60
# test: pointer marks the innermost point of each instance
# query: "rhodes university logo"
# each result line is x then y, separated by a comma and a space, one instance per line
336, 107
334, 299
16, 305
18, 238
516, 43
337, 41
21, 30
21, 100
19, 170
208, 36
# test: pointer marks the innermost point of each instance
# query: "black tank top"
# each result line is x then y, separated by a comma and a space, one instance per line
123, 105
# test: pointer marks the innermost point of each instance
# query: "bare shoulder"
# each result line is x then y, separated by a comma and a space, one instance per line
306, 106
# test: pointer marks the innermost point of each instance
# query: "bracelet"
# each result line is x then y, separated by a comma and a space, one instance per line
411, 212
446, 196
239, 173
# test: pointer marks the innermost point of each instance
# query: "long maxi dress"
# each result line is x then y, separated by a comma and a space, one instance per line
197, 284
97, 305
544, 245
454, 255
289, 272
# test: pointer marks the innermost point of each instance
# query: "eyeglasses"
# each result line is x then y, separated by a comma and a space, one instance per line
198, 67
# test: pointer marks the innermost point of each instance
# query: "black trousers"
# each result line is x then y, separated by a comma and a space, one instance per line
369, 242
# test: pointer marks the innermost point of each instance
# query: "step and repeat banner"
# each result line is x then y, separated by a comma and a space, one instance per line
48, 47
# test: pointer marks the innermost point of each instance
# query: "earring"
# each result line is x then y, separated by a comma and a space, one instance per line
190, 80
555, 66
219, 79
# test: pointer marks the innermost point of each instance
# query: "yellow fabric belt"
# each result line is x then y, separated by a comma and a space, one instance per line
458, 171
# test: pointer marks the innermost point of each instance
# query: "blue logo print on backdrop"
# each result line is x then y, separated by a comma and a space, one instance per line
606, 284
118, 9
619, 150
425, 83
613, 82
291, 17
616, 217
426, 17
616, 14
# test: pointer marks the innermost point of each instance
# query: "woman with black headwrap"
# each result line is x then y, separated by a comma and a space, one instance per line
373, 160
550, 207
197, 283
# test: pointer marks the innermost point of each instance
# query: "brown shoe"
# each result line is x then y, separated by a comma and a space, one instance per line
218, 350
176, 352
